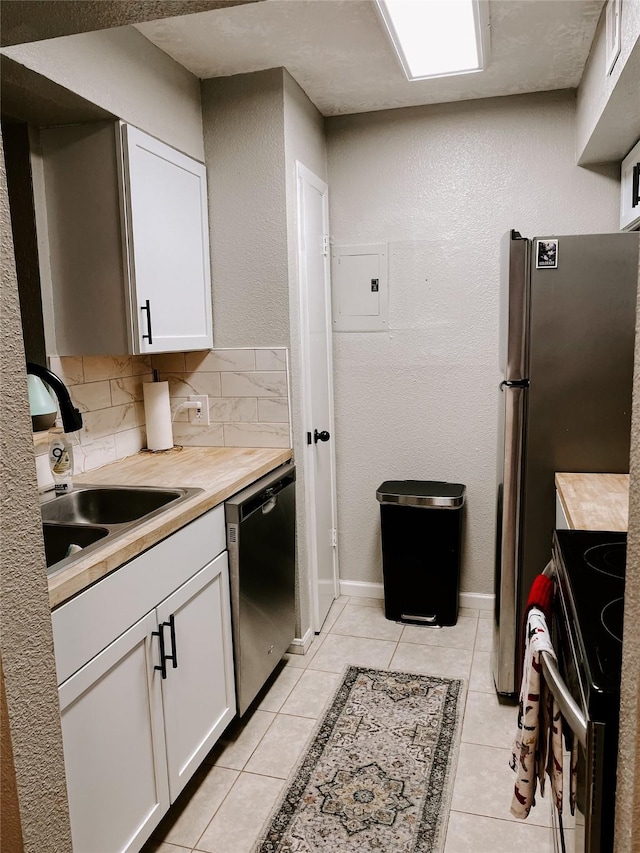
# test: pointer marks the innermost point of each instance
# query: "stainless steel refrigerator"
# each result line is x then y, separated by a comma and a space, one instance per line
566, 355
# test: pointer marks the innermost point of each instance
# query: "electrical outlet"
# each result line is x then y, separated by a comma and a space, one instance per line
199, 416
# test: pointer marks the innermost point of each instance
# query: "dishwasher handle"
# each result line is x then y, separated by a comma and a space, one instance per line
261, 495
269, 505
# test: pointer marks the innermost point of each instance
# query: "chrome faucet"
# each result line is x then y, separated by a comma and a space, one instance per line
71, 417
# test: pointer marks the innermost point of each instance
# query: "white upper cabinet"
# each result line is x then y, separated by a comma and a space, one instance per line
125, 219
165, 194
630, 190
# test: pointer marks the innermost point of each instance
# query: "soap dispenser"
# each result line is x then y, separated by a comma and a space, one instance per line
61, 460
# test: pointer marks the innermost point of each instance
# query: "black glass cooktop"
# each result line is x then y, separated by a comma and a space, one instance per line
591, 577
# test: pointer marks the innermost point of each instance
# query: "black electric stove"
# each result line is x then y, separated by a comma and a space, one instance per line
590, 572
587, 637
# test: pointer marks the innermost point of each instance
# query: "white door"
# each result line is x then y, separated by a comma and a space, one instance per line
317, 372
113, 741
198, 694
168, 246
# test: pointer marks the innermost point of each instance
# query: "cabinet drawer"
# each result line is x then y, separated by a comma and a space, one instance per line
89, 622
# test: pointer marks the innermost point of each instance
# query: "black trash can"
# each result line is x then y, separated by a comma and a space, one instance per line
421, 524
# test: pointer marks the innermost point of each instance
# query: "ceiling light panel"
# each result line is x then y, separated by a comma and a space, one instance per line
437, 38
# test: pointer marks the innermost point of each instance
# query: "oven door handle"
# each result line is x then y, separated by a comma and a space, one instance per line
567, 704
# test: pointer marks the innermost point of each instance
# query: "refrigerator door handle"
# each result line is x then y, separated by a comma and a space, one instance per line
515, 383
506, 636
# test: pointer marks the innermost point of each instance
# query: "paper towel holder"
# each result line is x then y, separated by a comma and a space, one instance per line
157, 410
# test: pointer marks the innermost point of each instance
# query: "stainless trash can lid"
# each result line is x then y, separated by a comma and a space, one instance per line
425, 493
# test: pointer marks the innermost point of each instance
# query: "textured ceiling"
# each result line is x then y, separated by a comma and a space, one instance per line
33, 20
338, 53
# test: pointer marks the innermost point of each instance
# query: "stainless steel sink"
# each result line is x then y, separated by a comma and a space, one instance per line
90, 516
106, 505
58, 538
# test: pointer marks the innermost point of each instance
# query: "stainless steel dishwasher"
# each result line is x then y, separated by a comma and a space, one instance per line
261, 541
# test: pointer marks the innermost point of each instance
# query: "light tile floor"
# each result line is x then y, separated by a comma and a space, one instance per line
225, 805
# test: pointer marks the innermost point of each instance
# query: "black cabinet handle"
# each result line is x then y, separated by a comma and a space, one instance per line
172, 628
635, 191
320, 436
164, 657
147, 307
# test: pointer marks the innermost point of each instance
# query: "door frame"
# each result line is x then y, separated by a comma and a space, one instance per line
303, 174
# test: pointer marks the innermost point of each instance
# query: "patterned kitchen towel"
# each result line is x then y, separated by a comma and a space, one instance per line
541, 595
538, 742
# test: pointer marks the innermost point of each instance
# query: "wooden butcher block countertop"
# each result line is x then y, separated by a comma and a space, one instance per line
219, 471
595, 501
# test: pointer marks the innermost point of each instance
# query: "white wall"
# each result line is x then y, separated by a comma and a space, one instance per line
441, 184
255, 127
122, 72
608, 112
243, 118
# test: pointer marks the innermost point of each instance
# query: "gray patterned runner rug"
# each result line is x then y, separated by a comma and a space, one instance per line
378, 773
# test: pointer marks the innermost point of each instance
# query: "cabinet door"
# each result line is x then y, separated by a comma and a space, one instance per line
198, 693
630, 190
114, 745
167, 246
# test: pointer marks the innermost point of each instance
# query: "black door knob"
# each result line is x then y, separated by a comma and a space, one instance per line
320, 436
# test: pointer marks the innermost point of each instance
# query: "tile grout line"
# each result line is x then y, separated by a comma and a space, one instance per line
195, 848
395, 651
291, 689
275, 714
217, 810
495, 817
502, 819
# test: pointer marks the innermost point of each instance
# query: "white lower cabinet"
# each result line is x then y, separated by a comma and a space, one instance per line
198, 695
135, 725
114, 750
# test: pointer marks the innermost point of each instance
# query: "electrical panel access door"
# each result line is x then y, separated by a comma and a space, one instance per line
359, 288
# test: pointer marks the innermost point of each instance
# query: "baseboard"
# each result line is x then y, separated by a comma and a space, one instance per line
300, 645
477, 600
364, 589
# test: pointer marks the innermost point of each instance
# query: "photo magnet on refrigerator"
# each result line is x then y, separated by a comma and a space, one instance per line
546, 254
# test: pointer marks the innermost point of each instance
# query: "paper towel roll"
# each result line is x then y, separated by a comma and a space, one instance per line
157, 414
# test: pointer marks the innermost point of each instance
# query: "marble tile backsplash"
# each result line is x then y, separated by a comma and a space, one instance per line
248, 394
108, 392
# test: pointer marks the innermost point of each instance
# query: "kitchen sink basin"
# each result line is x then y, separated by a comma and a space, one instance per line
58, 538
91, 516
108, 505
